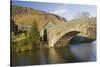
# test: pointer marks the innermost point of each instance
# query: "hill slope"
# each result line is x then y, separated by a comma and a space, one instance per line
25, 16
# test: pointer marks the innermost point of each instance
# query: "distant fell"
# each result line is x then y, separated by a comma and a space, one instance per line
25, 16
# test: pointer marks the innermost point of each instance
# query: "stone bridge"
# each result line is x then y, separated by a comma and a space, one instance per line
61, 34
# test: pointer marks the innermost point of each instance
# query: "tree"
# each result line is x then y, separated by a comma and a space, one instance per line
14, 27
83, 15
34, 34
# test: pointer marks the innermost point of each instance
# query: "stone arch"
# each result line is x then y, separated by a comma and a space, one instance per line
65, 39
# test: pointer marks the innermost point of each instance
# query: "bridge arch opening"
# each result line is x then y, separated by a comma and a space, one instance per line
65, 39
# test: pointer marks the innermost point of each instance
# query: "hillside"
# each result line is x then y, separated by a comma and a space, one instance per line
25, 16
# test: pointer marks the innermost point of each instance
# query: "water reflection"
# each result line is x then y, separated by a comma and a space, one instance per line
73, 53
85, 51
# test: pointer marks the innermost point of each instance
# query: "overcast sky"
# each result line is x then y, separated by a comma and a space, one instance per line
67, 11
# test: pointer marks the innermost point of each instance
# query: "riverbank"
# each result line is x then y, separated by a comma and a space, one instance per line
22, 43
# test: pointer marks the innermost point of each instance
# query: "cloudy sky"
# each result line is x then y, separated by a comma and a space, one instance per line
67, 11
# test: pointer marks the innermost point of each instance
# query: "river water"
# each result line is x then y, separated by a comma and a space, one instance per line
83, 52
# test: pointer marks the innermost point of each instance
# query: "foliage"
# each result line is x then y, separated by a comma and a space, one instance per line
34, 34
83, 15
14, 27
